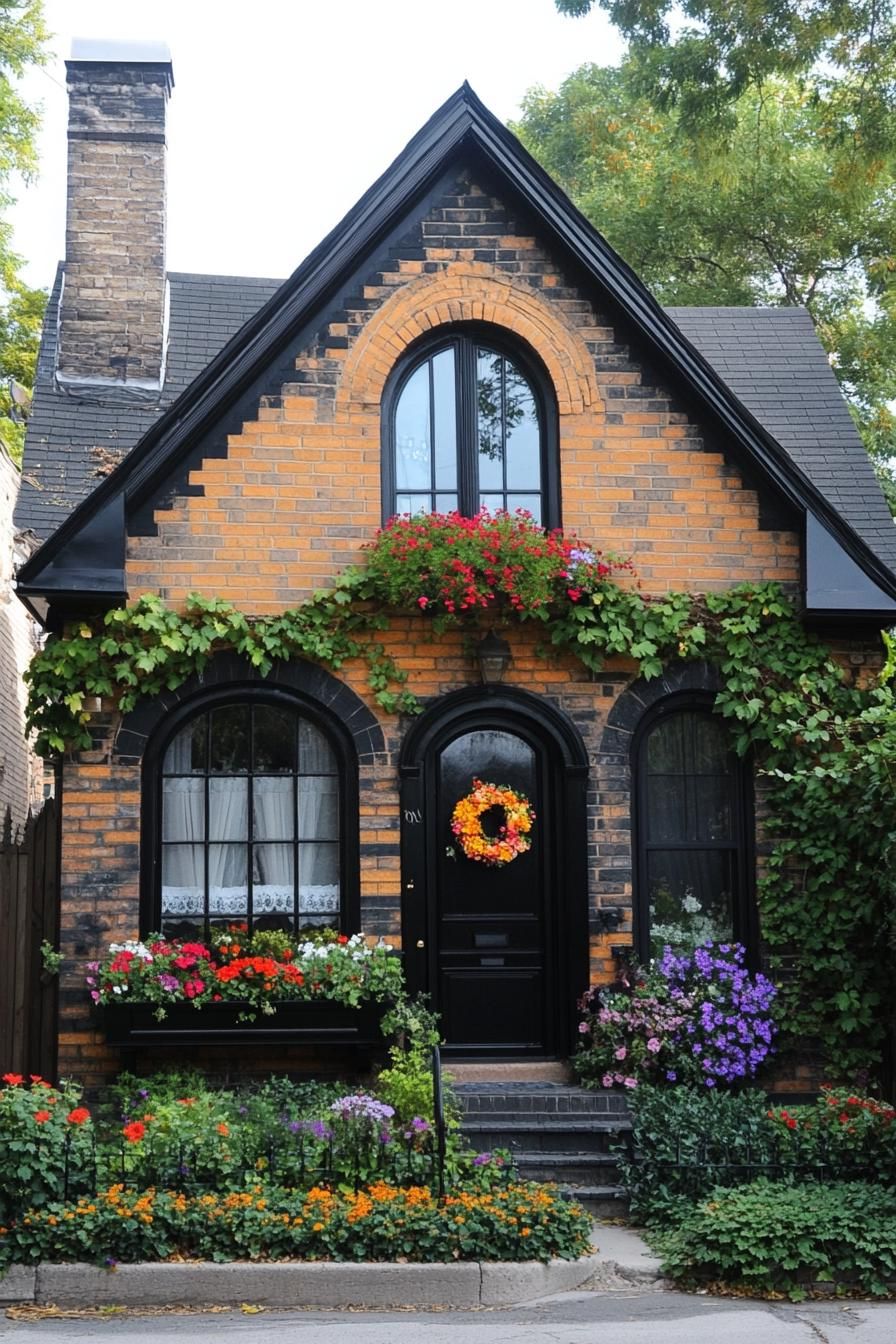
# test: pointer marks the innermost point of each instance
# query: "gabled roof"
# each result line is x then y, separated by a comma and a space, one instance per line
86, 554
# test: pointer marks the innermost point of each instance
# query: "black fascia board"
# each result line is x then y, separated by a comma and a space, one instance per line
462, 120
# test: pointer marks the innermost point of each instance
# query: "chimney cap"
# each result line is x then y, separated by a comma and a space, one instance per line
119, 51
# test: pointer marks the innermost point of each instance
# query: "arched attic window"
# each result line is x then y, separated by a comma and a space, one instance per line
470, 423
251, 795
693, 832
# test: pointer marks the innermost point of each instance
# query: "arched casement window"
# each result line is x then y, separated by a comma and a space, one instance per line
470, 423
693, 832
249, 796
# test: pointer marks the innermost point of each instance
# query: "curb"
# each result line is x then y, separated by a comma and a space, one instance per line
463, 1285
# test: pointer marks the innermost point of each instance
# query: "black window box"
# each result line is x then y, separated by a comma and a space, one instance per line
293, 1022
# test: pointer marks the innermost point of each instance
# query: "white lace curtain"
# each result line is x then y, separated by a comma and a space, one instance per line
275, 825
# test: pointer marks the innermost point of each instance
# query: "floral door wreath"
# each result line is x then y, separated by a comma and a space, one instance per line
513, 836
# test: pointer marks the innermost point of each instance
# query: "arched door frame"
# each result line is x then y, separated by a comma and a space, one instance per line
529, 716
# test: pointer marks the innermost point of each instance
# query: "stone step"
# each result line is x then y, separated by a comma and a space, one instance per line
579, 1168
555, 1134
539, 1099
603, 1201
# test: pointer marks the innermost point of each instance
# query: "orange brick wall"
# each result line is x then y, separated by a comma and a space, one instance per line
274, 510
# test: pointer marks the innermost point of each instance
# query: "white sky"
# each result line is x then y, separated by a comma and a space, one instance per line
284, 111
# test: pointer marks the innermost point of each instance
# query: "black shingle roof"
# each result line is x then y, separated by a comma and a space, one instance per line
72, 443
775, 364
770, 358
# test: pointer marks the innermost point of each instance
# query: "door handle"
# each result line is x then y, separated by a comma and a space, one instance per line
420, 943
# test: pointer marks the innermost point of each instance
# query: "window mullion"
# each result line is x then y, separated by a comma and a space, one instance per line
467, 427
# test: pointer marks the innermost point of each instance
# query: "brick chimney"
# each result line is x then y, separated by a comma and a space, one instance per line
112, 321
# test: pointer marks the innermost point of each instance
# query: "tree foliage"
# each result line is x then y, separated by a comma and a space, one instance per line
779, 206
23, 37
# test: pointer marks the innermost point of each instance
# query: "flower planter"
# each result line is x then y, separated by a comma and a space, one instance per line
293, 1022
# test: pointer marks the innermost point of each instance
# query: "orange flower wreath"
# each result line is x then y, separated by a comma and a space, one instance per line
512, 838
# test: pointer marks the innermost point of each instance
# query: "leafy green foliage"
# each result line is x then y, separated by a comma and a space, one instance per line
782, 205
21, 319
686, 1142
773, 1238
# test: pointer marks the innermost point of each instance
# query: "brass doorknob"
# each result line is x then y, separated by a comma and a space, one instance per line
420, 942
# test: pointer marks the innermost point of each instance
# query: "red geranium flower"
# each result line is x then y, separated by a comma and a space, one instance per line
78, 1116
14, 1079
41, 1117
134, 1132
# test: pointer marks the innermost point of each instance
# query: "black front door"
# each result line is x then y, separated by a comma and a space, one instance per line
492, 954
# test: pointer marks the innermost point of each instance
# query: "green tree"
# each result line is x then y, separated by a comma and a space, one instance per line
701, 55
23, 37
780, 207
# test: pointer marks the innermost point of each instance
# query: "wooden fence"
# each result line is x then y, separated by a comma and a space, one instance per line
29, 914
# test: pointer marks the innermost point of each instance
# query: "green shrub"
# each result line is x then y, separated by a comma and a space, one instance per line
779, 1238
687, 1140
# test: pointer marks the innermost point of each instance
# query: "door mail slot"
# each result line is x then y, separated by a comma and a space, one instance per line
491, 940
491, 961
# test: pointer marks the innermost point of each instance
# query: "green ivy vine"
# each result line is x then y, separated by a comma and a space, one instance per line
825, 749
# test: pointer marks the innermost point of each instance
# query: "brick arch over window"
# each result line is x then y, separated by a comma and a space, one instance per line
468, 292
231, 671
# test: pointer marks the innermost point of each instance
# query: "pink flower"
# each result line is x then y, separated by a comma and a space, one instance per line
607, 1080
631, 1082
621, 1052
583, 1028
653, 1045
423, 602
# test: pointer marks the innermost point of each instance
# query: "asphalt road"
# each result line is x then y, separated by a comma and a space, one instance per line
647, 1317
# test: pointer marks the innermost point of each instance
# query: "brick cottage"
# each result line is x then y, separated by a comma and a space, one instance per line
464, 339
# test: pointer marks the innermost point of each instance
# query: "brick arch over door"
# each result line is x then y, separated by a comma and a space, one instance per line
469, 292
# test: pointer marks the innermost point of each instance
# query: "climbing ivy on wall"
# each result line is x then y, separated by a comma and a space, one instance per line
826, 749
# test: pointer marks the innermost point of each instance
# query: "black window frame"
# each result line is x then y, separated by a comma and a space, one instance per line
465, 337
743, 826
152, 786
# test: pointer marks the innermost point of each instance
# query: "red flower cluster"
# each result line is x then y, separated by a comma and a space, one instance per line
452, 564
265, 969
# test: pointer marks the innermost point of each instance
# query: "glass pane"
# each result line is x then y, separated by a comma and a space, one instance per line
228, 879
272, 808
274, 744
711, 751
315, 753
187, 753
494, 503
490, 419
691, 897
523, 447
272, 880
413, 504
183, 809
230, 740
445, 419
666, 809
183, 879
531, 503
318, 877
712, 806
228, 809
318, 807
412, 446
665, 747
